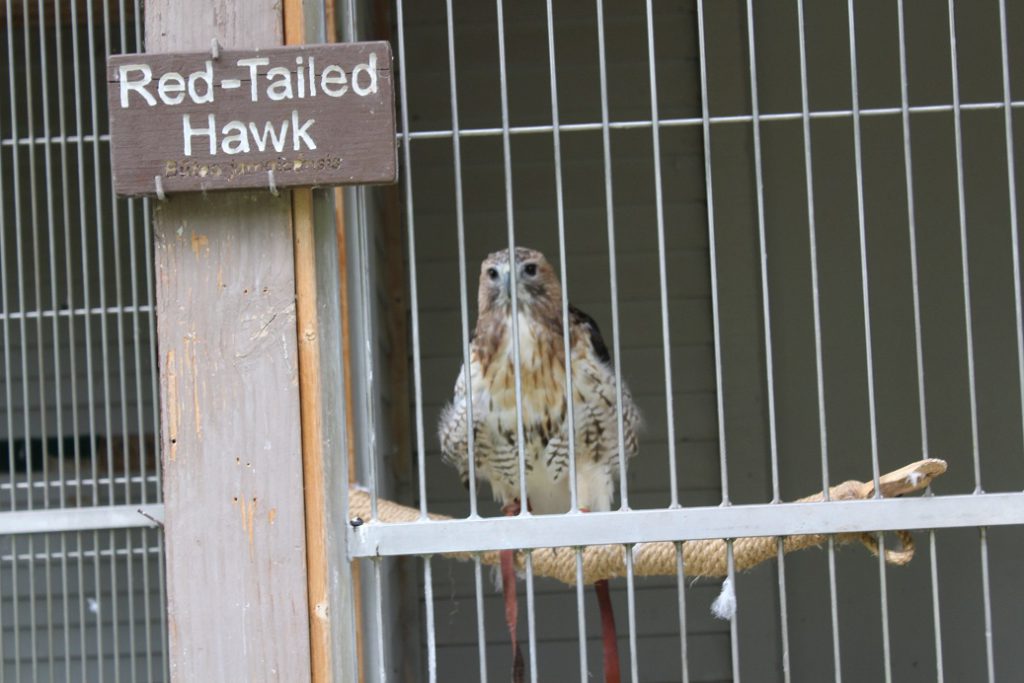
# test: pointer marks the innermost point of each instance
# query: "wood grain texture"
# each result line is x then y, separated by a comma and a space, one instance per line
230, 428
310, 391
236, 573
333, 595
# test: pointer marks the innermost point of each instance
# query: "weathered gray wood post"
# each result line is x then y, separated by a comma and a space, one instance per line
230, 425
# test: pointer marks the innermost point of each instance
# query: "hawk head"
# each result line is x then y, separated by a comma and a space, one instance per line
538, 291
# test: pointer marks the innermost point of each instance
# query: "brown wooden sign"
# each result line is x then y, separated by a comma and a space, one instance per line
280, 117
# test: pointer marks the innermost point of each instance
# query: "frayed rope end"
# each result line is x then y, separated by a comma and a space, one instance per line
724, 606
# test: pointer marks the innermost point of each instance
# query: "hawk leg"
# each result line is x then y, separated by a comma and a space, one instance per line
508, 587
608, 635
609, 638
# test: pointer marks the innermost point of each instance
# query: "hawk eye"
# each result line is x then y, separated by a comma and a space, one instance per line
492, 273
530, 269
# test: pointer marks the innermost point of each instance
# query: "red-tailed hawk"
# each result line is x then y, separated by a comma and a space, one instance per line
542, 369
544, 411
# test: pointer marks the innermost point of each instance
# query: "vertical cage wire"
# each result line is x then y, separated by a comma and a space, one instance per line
52, 263
681, 599
716, 325
531, 618
506, 148
4, 323
78, 330
634, 664
581, 617
7, 339
868, 343
964, 266
659, 207
969, 333
918, 350
1011, 180
428, 599
90, 411
378, 606
7, 365
481, 638
460, 226
766, 317
613, 281
581, 624
816, 311
556, 137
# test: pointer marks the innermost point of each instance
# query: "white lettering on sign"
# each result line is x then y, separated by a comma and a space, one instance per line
171, 88
333, 76
237, 133
253, 79
205, 76
138, 86
370, 69
299, 81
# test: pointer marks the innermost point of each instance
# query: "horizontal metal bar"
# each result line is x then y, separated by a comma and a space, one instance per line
55, 140
696, 121
55, 520
72, 483
66, 313
7, 558
644, 526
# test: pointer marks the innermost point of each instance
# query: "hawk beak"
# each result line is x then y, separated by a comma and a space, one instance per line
506, 281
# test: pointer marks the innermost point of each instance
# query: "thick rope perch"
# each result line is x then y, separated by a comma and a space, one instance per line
700, 558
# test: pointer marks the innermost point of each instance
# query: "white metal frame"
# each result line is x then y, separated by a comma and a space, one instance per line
375, 540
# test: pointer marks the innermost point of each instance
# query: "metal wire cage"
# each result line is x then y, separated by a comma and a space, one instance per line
81, 590
797, 226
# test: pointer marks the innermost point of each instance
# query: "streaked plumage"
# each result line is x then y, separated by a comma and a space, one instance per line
545, 422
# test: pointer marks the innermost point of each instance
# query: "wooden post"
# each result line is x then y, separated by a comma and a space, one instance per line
230, 428
318, 221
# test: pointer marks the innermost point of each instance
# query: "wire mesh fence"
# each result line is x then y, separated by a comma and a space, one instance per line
797, 227
79, 392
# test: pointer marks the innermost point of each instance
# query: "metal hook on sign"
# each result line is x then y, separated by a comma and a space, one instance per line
159, 182
272, 183
215, 49
156, 522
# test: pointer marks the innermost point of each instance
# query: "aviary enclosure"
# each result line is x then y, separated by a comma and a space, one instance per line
796, 224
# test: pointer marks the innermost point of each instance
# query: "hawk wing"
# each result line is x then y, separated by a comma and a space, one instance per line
599, 369
595, 413
581, 321
452, 430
